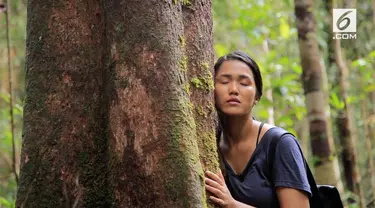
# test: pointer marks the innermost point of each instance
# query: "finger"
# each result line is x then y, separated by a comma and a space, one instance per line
212, 183
214, 177
217, 200
214, 191
221, 175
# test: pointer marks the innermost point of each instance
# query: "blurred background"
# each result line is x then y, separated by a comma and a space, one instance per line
266, 29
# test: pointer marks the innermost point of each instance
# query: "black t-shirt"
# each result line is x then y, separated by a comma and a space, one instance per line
255, 186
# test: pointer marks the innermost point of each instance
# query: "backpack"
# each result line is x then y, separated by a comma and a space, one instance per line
323, 196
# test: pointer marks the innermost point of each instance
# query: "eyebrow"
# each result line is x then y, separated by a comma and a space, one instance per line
242, 76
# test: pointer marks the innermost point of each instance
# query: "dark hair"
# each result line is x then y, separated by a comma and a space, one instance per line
245, 58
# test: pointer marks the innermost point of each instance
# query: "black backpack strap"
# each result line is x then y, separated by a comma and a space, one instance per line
275, 137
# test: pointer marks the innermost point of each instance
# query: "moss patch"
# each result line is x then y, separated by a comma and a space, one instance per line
183, 153
201, 111
205, 66
187, 88
205, 83
182, 41
183, 2
184, 63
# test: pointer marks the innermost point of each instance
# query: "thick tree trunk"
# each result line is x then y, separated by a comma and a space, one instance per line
326, 168
197, 45
110, 117
63, 160
152, 120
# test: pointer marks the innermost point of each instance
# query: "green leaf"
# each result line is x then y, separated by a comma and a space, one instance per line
359, 62
221, 50
284, 28
372, 54
336, 102
370, 88
5, 97
5, 202
263, 113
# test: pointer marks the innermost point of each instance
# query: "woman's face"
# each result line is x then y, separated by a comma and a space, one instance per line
235, 88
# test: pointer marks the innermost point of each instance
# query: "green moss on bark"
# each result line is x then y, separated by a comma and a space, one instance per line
204, 83
184, 63
183, 2
187, 88
183, 154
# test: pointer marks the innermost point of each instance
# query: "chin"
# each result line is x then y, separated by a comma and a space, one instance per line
233, 112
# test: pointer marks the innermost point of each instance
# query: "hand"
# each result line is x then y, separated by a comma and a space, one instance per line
216, 185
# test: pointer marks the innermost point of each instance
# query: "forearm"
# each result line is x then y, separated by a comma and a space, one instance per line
238, 204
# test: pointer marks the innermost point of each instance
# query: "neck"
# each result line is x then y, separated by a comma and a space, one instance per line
238, 128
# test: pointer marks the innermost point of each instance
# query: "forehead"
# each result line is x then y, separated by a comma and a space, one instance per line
234, 67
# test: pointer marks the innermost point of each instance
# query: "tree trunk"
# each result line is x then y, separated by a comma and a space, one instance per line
269, 94
110, 118
345, 130
344, 117
367, 134
302, 128
64, 160
326, 165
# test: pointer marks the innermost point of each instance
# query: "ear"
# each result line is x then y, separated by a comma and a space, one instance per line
255, 101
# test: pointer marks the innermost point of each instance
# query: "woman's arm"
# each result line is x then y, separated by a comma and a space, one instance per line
292, 198
289, 174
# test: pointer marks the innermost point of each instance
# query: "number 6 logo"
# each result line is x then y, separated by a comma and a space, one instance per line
344, 20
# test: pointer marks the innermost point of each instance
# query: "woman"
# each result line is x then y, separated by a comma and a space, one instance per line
242, 145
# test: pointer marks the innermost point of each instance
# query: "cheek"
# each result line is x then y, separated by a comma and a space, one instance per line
216, 95
250, 94
219, 95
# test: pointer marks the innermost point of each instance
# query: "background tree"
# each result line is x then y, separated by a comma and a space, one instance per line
326, 170
343, 114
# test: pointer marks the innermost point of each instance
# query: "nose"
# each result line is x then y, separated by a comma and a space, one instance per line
233, 89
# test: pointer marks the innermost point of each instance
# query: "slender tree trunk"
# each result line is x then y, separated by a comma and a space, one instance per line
345, 130
370, 170
326, 165
269, 96
344, 117
119, 109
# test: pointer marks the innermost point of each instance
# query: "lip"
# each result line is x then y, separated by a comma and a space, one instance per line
233, 100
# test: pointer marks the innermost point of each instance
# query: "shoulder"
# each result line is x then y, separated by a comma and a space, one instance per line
279, 138
288, 140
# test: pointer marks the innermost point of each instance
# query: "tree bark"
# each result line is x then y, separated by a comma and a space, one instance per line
326, 166
269, 94
197, 45
344, 117
110, 117
369, 149
63, 162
